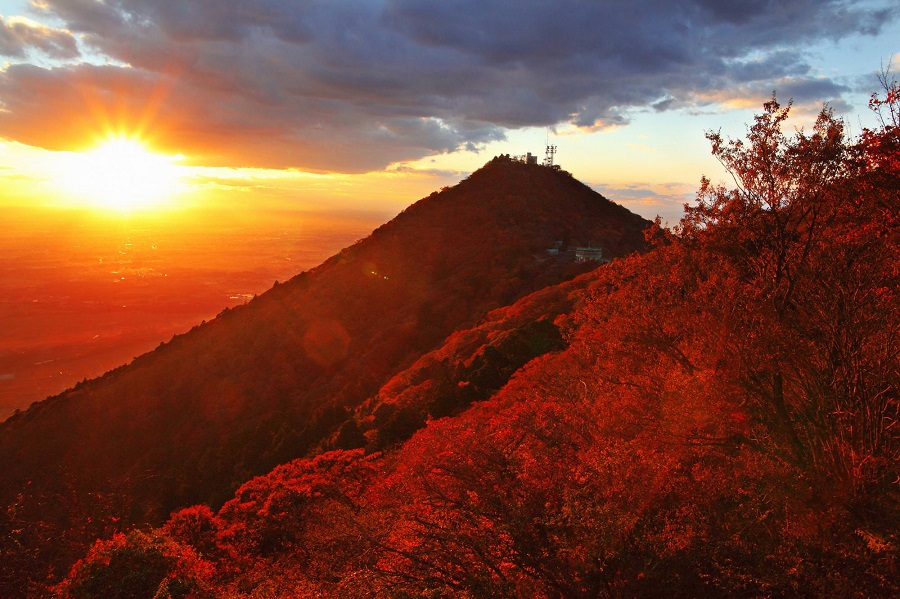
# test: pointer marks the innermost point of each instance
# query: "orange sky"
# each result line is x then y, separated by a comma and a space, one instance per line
370, 102
229, 121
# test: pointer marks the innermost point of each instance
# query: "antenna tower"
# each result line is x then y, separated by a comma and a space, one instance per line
548, 159
550, 151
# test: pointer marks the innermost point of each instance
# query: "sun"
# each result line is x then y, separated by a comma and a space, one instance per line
122, 174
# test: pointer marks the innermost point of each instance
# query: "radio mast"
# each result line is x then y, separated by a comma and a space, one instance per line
550, 152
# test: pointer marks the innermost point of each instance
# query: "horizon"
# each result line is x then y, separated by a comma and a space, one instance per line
372, 105
321, 123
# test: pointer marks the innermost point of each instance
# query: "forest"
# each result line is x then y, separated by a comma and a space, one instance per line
713, 415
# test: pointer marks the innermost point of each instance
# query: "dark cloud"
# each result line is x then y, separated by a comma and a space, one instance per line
664, 104
808, 90
18, 36
356, 85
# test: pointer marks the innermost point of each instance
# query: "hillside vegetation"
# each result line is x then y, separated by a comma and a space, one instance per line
717, 417
282, 376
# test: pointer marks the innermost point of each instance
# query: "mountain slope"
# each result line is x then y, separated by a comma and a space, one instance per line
720, 422
471, 365
631, 460
263, 383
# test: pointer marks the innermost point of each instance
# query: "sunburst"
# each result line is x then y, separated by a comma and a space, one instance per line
121, 174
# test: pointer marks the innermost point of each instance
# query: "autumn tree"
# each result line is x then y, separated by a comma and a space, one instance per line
813, 260
139, 565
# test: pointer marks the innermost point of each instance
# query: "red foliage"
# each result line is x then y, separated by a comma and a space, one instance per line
137, 565
722, 421
274, 380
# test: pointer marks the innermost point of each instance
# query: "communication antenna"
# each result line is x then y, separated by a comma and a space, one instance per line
550, 152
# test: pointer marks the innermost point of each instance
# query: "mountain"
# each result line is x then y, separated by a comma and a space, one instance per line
289, 371
715, 417
597, 438
471, 365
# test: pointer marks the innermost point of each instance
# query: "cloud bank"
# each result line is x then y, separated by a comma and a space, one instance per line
356, 85
18, 35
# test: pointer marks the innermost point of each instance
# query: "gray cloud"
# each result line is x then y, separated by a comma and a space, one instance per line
650, 201
18, 36
356, 85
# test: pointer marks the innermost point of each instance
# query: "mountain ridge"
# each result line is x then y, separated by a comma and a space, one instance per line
712, 417
268, 381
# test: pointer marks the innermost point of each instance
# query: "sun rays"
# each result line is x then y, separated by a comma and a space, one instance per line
121, 174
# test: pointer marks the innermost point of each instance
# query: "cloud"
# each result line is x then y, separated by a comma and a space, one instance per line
357, 85
651, 200
808, 94
18, 35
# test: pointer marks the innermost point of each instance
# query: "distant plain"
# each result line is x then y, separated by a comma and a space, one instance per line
81, 294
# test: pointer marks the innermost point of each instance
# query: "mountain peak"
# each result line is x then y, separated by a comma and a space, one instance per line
269, 381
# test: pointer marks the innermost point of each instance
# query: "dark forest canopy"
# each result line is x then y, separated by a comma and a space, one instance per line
714, 417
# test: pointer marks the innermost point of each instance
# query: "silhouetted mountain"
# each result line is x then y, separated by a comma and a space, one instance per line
713, 418
266, 382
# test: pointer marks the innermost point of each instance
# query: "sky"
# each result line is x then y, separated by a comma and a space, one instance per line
163, 159
368, 105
